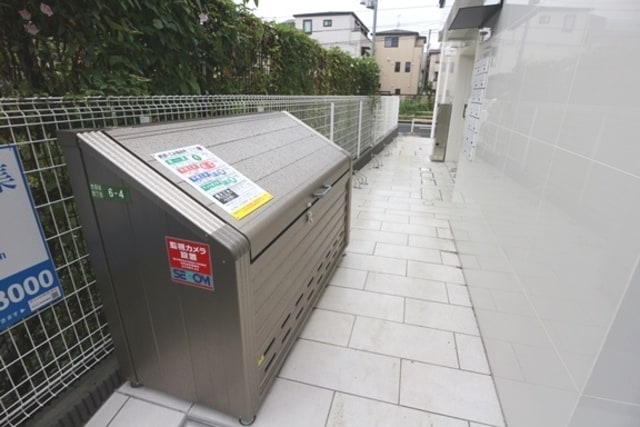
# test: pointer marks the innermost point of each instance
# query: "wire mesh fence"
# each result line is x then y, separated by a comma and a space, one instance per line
44, 353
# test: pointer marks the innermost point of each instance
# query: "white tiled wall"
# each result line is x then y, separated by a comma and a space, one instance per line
551, 258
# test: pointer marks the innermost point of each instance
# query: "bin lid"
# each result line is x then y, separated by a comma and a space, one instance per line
258, 172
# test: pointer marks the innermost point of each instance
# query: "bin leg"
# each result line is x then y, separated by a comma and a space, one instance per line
247, 423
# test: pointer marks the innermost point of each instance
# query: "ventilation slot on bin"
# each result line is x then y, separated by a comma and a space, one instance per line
273, 356
301, 305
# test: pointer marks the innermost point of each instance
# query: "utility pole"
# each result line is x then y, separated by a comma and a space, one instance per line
372, 4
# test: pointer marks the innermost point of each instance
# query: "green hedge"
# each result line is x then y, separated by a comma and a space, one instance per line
143, 47
416, 106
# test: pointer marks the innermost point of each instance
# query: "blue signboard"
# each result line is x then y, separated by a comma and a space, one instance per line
28, 279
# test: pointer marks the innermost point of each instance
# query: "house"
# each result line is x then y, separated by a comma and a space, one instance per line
400, 56
433, 67
343, 30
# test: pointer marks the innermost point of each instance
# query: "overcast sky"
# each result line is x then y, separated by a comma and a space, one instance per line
411, 15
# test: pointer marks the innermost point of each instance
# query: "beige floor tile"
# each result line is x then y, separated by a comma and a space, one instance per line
349, 278
371, 304
303, 402
529, 405
139, 413
431, 242
361, 246
410, 229
152, 395
441, 316
458, 295
353, 411
449, 258
444, 233
401, 219
408, 252
471, 354
108, 410
405, 341
379, 236
431, 222
328, 326
368, 224
443, 273
450, 392
374, 263
344, 369
406, 287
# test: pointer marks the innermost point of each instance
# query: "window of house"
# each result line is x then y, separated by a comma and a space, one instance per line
435, 76
397, 68
407, 67
327, 23
391, 41
307, 26
397, 91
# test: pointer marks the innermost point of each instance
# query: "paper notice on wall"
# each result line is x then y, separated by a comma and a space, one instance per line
217, 180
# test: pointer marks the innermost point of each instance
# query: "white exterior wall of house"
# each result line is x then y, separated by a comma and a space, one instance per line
551, 252
346, 32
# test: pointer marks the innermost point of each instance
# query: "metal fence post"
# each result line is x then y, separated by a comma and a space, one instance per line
332, 120
359, 130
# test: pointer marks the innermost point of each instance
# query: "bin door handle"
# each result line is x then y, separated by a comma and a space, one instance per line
320, 194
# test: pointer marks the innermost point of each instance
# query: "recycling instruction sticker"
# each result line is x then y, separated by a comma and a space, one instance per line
216, 179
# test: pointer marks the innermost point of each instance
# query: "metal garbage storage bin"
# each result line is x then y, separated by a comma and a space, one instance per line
211, 241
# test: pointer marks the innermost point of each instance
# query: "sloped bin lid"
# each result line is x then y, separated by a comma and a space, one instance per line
257, 173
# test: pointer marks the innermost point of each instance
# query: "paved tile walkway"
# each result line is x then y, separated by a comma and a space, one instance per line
392, 342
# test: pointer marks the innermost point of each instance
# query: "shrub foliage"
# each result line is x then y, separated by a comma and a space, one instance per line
143, 47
